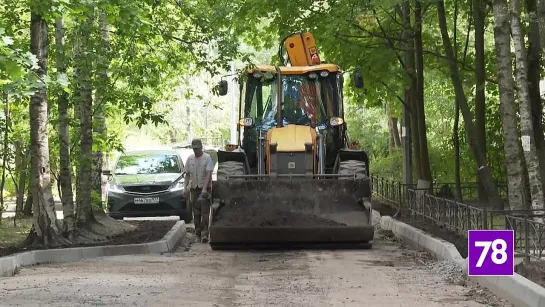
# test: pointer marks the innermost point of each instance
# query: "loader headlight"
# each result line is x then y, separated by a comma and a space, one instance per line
313, 75
336, 121
246, 122
324, 73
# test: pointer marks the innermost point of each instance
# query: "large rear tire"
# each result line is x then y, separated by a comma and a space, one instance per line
230, 168
351, 167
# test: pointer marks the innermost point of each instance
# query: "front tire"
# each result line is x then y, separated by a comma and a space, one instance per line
351, 167
230, 168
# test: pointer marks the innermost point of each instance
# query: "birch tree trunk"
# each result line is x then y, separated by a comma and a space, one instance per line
93, 224
45, 229
476, 148
65, 172
528, 140
511, 143
84, 99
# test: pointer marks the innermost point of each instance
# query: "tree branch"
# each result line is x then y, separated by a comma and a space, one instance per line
427, 52
392, 45
390, 89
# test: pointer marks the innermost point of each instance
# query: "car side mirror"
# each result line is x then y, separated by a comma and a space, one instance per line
358, 80
222, 88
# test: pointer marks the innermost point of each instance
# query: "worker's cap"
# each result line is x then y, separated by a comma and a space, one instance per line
196, 143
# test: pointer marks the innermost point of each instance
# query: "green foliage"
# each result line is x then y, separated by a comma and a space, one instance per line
389, 167
158, 70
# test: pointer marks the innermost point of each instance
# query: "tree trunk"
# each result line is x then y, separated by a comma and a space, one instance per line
21, 164
27, 210
391, 142
411, 96
393, 133
45, 229
479, 9
92, 224
5, 153
513, 152
65, 167
541, 23
534, 68
528, 140
456, 142
419, 101
476, 148
100, 121
84, 99
407, 108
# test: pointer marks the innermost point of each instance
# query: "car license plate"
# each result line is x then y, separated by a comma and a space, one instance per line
146, 200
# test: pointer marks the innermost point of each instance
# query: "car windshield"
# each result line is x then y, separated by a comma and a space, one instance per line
133, 164
306, 101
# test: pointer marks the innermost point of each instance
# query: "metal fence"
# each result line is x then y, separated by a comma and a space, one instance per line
460, 217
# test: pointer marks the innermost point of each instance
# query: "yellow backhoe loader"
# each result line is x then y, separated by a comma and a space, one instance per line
294, 179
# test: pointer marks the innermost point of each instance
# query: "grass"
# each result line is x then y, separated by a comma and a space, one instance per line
10, 234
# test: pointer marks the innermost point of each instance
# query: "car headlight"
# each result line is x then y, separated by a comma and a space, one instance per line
114, 187
177, 186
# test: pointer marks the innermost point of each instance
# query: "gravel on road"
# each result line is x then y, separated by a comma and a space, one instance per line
389, 274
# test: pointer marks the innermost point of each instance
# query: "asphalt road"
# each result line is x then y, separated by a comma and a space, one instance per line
194, 275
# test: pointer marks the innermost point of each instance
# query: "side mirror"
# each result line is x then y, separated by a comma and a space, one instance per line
222, 88
358, 80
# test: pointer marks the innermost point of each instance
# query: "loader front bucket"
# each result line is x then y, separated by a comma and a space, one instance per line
292, 213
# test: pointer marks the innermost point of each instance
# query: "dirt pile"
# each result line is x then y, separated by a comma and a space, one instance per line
146, 231
242, 212
272, 218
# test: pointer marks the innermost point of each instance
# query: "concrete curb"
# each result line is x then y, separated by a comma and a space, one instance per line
516, 289
10, 264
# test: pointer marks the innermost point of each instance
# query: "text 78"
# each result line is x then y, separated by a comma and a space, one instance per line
499, 256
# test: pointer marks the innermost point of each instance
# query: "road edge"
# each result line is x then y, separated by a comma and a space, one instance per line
10, 264
517, 289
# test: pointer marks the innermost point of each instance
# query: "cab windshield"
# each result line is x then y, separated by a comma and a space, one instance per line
306, 101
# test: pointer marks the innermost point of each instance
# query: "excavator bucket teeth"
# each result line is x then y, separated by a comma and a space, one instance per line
292, 213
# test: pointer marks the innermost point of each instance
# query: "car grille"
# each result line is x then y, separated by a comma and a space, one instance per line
132, 207
145, 188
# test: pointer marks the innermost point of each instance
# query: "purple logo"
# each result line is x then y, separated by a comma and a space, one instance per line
491, 252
